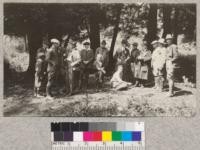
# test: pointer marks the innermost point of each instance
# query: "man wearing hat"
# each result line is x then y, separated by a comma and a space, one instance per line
134, 61
158, 62
74, 61
171, 56
102, 52
52, 59
87, 58
40, 73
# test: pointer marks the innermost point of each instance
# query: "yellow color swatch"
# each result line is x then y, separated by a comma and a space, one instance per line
106, 136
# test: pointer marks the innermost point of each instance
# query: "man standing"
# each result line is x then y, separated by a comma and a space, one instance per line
87, 57
52, 69
102, 52
74, 60
158, 62
171, 56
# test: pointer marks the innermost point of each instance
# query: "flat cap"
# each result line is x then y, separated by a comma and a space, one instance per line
55, 41
154, 42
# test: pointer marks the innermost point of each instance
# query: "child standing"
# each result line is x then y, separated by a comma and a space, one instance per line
40, 72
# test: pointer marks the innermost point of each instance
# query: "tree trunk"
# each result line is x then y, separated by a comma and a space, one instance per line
175, 26
35, 42
152, 24
26, 42
167, 9
94, 34
111, 64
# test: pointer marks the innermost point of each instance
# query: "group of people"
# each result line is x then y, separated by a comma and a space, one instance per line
69, 65
133, 67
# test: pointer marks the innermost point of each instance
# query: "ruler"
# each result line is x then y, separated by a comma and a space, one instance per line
98, 136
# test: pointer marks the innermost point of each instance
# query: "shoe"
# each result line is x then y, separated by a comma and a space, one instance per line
49, 97
170, 94
39, 96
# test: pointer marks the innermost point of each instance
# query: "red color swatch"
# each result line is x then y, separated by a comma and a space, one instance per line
97, 136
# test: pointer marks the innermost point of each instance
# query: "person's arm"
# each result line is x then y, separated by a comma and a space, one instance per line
175, 53
148, 56
96, 52
116, 54
128, 56
153, 58
48, 58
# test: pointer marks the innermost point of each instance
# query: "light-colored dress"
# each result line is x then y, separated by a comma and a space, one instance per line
158, 60
117, 82
74, 59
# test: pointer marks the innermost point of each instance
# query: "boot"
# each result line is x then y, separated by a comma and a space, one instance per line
171, 88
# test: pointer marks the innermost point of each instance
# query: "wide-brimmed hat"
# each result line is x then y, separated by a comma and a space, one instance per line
124, 41
86, 43
135, 44
55, 41
73, 42
162, 41
169, 36
154, 42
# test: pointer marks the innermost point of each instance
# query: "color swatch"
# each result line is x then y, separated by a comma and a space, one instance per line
93, 132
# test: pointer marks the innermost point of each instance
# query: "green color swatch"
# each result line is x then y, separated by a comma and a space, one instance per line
116, 136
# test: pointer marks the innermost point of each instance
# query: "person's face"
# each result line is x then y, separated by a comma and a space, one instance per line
87, 46
145, 46
73, 46
169, 41
123, 45
56, 45
120, 68
98, 57
155, 45
134, 47
45, 46
103, 45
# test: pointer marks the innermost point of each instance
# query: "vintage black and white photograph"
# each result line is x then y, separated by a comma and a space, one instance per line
99, 59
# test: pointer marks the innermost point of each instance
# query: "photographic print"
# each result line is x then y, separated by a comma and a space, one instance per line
99, 59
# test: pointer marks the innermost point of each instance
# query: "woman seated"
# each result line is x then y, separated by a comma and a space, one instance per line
116, 82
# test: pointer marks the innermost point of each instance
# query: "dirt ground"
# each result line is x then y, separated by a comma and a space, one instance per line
135, 101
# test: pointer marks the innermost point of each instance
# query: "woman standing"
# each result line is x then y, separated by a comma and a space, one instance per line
123, 58
144, 60
135, 64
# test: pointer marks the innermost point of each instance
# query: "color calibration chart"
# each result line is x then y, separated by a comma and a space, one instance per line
98, 136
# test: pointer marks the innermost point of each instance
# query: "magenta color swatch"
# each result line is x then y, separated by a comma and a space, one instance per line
87, 136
